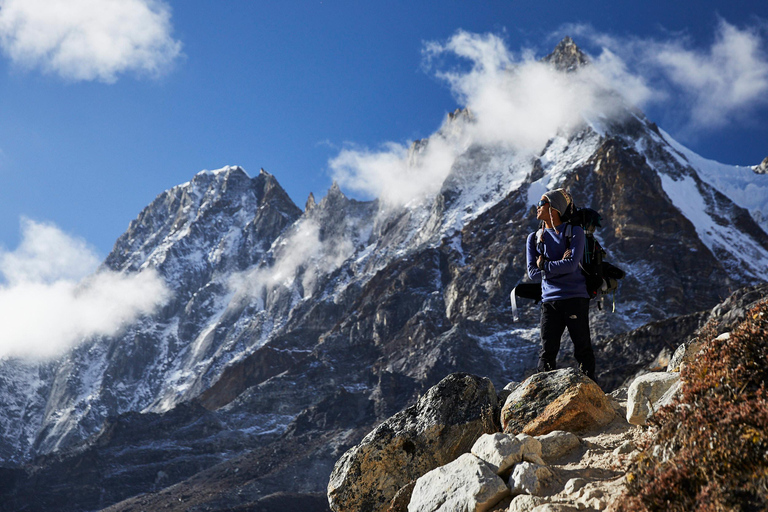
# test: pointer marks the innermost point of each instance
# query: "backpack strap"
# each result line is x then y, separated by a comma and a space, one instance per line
513, 300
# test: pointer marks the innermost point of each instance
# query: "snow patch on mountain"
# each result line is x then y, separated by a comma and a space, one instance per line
741, 184
739, 253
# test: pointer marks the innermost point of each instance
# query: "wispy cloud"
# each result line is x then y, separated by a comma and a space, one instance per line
515, 101
300, 257
89, 39
519, 102
50, 299
707, 87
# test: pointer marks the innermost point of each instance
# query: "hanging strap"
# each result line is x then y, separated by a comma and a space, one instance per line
513, 300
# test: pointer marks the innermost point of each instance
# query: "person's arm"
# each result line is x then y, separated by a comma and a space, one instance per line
570, 263
531, 255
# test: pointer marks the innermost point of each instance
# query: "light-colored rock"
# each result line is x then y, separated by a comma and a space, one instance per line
670, 394
558, 400
466, 484
625, 448
531, 449
557, 444
684, 354
525, 503
574, 485
554, 507
440, 427
502, 451
529, 478
645, 393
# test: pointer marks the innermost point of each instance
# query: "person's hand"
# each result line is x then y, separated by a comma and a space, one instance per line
567, 253
540, 262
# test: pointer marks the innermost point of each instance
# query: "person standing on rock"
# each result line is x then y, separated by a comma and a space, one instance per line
554, 259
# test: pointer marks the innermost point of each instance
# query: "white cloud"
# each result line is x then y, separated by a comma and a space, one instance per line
89, 39
519, 102
300, 258
730, 76
51, 301
515, 101
393, 173
705, 87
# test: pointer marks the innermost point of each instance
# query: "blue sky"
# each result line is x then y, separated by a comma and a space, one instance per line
88, 136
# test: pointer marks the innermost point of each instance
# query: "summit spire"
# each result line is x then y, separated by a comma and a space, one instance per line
567, 56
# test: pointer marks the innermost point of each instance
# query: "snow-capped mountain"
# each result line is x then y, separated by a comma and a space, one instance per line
281, 318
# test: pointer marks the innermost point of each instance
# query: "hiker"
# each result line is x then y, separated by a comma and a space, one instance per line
554, 260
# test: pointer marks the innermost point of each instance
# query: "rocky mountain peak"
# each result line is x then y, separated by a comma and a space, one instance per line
311, 203
334, 196
567, 56
763, 167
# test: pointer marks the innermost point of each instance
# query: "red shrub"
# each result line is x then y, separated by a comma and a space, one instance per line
710, 452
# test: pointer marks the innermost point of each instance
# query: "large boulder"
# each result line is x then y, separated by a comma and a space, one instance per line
646, 393
467, 483
440, 427
563, 399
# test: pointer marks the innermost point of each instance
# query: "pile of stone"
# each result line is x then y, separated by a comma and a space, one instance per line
463, 447
499, 468
448, 451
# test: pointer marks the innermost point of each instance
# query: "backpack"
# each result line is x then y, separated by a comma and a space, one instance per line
602, 277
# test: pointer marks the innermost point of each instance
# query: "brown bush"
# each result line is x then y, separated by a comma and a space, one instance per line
710, 452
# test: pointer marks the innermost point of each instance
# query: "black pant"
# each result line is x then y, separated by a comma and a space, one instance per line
555, 317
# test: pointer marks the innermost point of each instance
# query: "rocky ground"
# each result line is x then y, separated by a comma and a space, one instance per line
591, 477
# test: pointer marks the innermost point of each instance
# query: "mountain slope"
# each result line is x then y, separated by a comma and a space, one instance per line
280, 319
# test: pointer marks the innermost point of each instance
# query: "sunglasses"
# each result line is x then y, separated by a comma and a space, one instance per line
542, 203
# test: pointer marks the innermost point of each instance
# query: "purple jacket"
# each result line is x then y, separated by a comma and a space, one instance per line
561, 278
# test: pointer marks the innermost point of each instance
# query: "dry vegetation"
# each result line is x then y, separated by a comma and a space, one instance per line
710, 451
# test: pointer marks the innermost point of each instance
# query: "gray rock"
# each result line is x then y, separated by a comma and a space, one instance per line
684, 354
557, 444
625, 448
440, 427
670, 394
525, 503
763, 167
554, 507
529, 478
645, 394
574, 485
502, 451
467, 483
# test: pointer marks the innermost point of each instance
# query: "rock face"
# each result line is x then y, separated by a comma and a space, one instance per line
440, 427
567, 56
763, 167
557, 400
